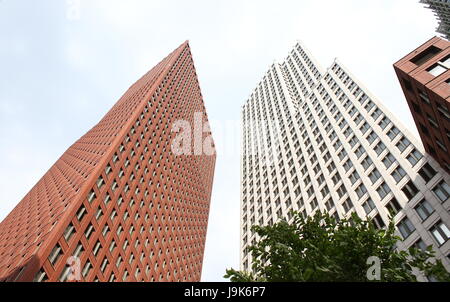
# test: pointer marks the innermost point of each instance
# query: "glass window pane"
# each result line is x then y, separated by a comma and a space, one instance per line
437, 70
445, 230
437, 236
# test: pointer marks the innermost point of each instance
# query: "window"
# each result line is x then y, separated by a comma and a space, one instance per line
414, 157
393, 207
354, 177
361, 190
440, 67
320, 179
310, 191
119, 261
125, 275
410, 190
341, 191
378, 222
104, 265
443, 110
380, 148
68, 233
384, 123
369, 106
376, 114
331, 167
89, 231
424, 97
348, 165
440, 232
347, 205
325, 191
348, 132
424, 129
407, 84
368, 206
100, 182
430, 149
426, 55
372, 137
97, 248
107, 199
393, 132
81, 213
99, 214
108, 169
432, 121
114, 186
416, 108
336, 216
405, 227
403, 144
424, 209
354, 141
41, 276
91, 196
441, 144
314, 204
383, 190
342, 154
367, 162
336, 178
365, 127
442, 191
87, 268
398, 174
360, 151
79, 250
358, 119
374, 176
388, 160
420, 244
363, 99
427, 172
329, 204
55, 254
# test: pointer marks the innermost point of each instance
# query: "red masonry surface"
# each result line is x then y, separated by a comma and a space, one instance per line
118, 199
424, 75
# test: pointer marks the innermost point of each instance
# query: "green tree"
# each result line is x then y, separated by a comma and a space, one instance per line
321, 249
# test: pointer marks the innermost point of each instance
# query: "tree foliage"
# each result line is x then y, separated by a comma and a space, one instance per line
321, 249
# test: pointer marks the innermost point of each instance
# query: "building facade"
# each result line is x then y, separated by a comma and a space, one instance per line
119, 205
318, 140
441, 9
425, 79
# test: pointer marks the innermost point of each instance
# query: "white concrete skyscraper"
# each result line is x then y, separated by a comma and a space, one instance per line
441, 9
319, 140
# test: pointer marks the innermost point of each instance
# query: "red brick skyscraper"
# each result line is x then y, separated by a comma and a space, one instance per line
424, 75
119, 205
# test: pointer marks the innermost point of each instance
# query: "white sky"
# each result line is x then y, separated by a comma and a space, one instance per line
59, 76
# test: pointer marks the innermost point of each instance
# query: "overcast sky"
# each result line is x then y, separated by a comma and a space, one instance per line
61, 70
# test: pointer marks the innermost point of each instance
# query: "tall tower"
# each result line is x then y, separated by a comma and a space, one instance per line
120, 205
441, 9
316, 140
425, 79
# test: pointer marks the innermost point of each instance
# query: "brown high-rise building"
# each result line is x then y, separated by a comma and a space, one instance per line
120, 204
424, 75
